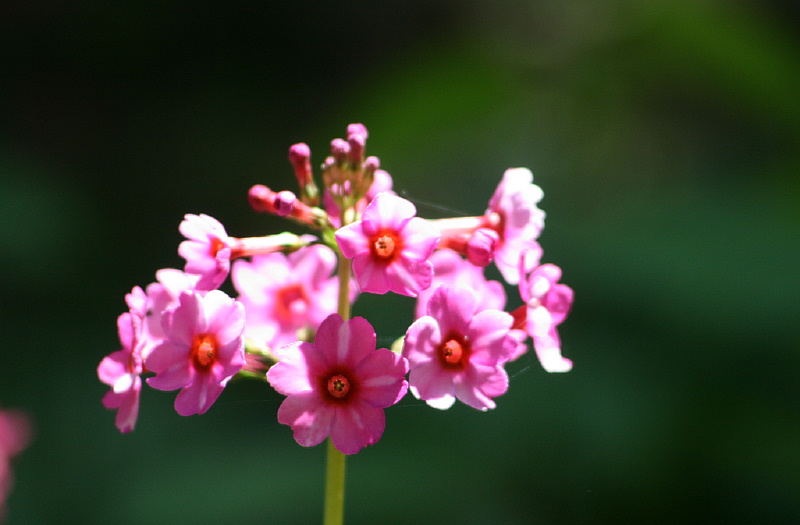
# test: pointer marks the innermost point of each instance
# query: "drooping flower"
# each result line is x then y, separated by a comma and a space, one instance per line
390, 247
512, 213
121, 371
207, 250
203, 349
456, 352
339, 385
547, 303
520, 220
282, 294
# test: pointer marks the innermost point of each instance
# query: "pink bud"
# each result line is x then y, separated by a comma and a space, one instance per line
300, 157
481, 246
340, 149
357, 129
261, 199
284, 203
356, 143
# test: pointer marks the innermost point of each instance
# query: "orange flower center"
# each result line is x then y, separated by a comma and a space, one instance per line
338, 386
291, 302
216, 246
454, 352
385, 246
204, 351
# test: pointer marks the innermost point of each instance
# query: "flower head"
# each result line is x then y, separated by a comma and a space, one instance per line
282, 294
456, 352
339, 385
203, 349
547, 303
207, 250
390, 247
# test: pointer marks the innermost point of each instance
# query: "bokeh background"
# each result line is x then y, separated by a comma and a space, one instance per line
666, 136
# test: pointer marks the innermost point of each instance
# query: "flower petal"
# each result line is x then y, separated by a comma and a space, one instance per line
357, 425
381, 378
309, 417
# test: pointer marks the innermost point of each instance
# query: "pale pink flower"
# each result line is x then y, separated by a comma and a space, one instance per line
202, 351
161, 296
282, 294
390, 247
338, 386
547, 303
15, 434
519, 220
451, 269
121, 371
456, 352
207, 250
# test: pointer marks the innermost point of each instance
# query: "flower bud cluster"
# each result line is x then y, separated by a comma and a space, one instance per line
289, 324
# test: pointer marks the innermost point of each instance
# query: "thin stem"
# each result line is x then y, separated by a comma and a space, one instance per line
334, 487
335, 470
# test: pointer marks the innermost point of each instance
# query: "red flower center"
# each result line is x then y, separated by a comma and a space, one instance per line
338, 386
216, 246
204, 351
454, 351
291, 302
385, 246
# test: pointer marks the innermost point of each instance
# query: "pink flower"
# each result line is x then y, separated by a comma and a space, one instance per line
518, 220
547, 305
161, 296
202, 351
121, 370
451, 269
456, 352
15, 434
338, 386
390, 247
283, 294
207, 250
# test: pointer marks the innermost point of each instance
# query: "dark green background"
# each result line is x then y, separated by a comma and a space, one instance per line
666, 136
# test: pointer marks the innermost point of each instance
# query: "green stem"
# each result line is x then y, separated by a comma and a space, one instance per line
334, 487
334, 475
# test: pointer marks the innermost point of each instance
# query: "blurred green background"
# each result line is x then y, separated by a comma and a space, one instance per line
666, 136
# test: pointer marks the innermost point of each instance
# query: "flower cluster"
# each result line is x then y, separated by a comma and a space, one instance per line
290, 323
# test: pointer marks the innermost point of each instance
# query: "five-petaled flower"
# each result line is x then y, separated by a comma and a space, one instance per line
338, 385
390, 247
456, 352
203, 349
207, 250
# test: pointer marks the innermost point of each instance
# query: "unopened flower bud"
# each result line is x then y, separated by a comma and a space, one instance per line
300, 157
284, 203
357, 129
261, 199
356, 143
340, 150
481, 246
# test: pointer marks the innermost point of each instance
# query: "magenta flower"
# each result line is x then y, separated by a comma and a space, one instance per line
207, 250
121, 371
390, 247
451, 269
517, 219
283, 294
547, 304
456, 352
202, 351
161, 296
15, 434
338, 386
